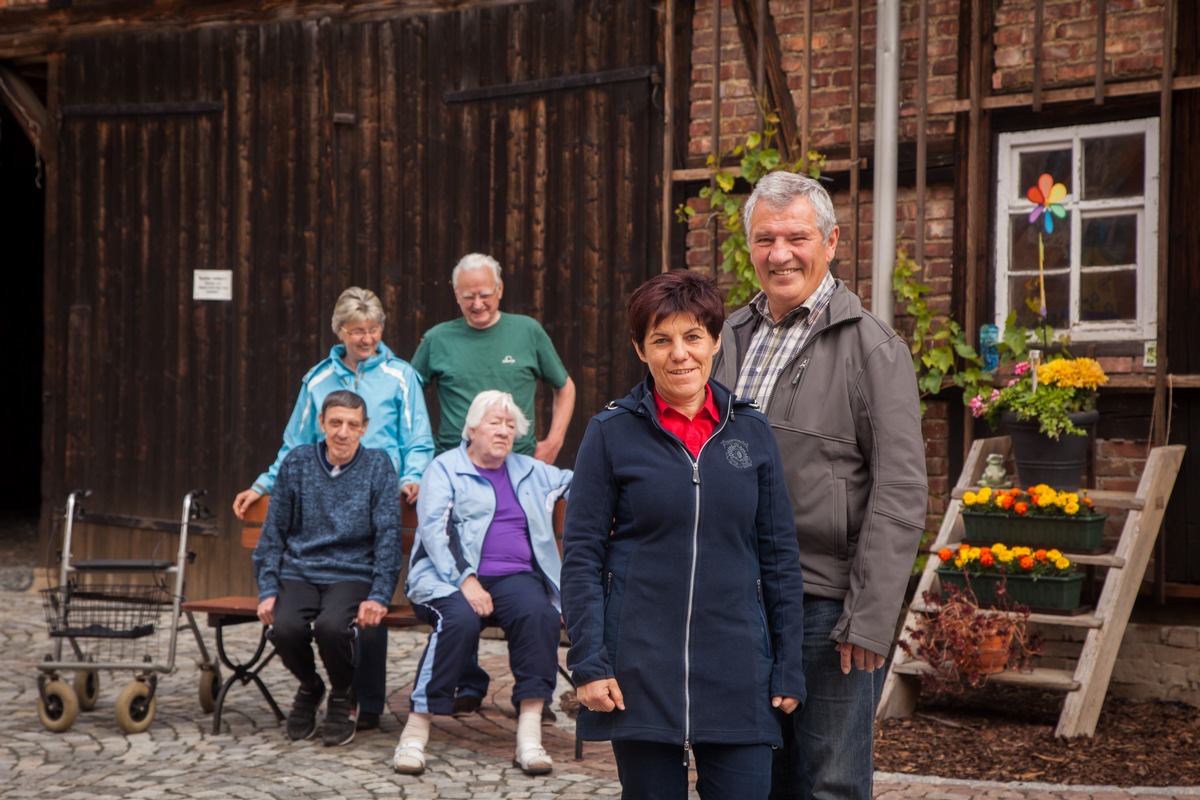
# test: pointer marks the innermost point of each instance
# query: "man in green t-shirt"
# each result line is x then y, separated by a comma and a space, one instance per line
489, 350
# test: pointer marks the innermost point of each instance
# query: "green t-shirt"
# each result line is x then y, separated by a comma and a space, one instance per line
512, 356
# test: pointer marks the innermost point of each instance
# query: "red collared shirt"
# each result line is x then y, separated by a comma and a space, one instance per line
692, 432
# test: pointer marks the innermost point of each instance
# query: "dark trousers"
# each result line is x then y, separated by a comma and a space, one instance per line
522, 607
304, 611
370, 678
655, 771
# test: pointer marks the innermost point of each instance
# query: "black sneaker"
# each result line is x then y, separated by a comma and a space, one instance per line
341, 719
465, 705
367, 721
302, 719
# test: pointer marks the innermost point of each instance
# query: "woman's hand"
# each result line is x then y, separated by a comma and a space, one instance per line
477, 596
243, 501
601, 695
785, 704
409, 492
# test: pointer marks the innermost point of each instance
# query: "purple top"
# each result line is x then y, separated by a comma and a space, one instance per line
506, 548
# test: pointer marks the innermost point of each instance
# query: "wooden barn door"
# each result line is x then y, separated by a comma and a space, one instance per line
527, 131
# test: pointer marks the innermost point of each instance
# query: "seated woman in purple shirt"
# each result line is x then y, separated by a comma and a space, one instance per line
485, 554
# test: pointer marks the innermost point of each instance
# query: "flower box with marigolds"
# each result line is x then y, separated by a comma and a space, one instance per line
1037, 518
1044, 580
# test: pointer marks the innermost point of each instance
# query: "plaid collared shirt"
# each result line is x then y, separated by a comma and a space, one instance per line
773, 344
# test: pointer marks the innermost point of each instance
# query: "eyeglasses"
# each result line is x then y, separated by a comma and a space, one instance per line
360, 333
467, 297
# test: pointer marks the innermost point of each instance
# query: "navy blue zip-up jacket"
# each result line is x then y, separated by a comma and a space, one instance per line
681, 577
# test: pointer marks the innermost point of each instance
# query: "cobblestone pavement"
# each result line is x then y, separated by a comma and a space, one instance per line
251, 759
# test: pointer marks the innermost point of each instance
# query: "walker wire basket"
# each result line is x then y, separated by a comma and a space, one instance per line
103, 612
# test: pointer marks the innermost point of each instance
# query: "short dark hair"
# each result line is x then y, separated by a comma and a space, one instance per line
344, 398
679, 291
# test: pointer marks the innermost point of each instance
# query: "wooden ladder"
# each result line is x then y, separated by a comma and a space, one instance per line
1088, 684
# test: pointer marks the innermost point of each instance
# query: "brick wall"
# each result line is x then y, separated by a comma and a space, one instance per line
1156, 662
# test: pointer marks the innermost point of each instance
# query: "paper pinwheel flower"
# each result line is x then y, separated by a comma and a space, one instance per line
1046, 196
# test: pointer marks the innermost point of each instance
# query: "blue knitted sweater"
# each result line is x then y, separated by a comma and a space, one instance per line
323, 529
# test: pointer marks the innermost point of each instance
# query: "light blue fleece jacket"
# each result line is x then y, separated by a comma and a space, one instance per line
456, 506
399, 423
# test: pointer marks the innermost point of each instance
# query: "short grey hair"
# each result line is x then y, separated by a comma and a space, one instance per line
780, 188
356, 304
487, 400
471, 262
344, 398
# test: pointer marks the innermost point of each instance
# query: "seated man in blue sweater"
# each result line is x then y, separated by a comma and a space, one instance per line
328, 558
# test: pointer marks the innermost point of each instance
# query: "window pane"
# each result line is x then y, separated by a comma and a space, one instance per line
1114, 166
1109, 241
1024, 298
1056, 162
1108, 296
1024, 239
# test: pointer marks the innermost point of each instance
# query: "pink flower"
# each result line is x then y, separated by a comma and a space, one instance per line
995, 396
978, 407
1021, 368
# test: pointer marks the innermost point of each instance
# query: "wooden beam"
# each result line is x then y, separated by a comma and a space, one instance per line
1052, 96
777, 95
23, 102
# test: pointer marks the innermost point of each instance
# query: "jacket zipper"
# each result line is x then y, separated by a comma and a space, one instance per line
687, 630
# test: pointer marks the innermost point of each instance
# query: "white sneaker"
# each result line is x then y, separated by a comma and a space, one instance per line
533, 760
409, 758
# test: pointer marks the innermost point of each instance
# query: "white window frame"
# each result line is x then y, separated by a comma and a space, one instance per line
1011, 199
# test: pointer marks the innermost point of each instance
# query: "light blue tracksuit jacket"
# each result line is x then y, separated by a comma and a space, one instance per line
456, 506
399, 423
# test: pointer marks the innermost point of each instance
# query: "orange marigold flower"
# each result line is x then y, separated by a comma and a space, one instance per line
945, 554
1040, 555
1026, 562
986, 559
1005, 501
1021, 507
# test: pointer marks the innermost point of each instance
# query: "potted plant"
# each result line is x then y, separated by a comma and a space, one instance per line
1035, 517
1042, 579
1049, 411
964, 642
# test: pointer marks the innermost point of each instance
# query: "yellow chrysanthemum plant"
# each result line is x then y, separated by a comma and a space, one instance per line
1039, 501
1064, 386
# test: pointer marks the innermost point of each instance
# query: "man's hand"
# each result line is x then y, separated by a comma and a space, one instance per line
785, 704
601, 695
409, 492
370, 613
858, 657
243, 501
477, 596
266, 611
547, 450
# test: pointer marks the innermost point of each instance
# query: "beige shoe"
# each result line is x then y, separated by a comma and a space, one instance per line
533, 760
409, 758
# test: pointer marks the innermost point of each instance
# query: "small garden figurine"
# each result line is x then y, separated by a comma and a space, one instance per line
994, 475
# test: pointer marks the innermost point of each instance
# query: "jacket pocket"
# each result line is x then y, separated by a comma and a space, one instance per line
840, 523
765, 629
794, 378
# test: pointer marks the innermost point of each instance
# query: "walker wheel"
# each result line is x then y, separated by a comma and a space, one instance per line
210, 687
135, 708
87, 687
58, 706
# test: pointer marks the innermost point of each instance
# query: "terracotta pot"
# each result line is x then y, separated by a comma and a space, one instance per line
990, 658
1040, 459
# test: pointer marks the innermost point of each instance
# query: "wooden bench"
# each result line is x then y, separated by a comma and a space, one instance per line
222, 612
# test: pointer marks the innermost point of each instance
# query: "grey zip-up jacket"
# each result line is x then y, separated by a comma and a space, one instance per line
846, 414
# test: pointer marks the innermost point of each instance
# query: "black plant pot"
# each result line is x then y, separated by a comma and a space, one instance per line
1040, 459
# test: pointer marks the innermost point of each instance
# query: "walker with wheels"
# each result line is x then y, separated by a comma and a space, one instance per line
110, 614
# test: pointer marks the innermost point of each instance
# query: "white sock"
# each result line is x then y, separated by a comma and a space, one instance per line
529, 728
416, 730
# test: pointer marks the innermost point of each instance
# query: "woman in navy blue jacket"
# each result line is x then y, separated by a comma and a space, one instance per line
681, 579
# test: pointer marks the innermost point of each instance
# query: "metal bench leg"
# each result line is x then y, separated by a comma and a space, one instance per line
244, 673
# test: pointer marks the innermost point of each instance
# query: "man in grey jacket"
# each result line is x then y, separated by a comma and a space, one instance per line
839, 389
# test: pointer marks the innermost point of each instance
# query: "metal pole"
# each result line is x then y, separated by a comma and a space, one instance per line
887, 117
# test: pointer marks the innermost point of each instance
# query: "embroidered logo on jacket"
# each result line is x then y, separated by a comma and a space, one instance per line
508, 360
738, 453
